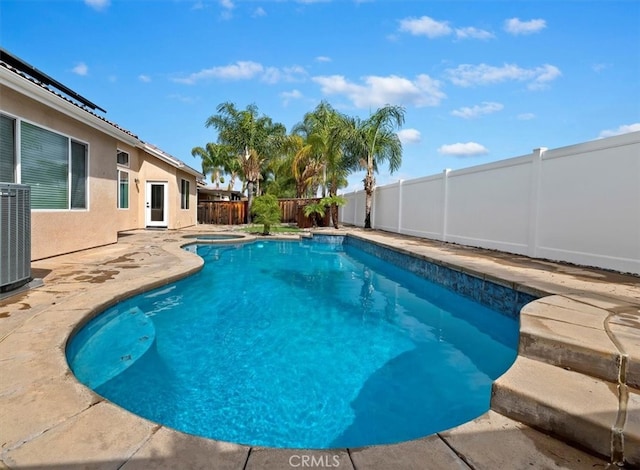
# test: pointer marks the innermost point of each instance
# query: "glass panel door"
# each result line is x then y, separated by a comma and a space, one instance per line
156, 205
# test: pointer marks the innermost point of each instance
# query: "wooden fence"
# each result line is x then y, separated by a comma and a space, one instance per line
222, 212
235, 212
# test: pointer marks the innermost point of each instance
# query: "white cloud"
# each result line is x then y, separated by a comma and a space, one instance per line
97, 4
258, 12
287, 96
425, 26
246, 70
486, 107
380, 91
473, 33
227, 9
467, 75
543, 75
525, 116
469, 149
241, 70
624, 129
81, 69
409, 136
144, 78
323, 58
516, 27
286, 74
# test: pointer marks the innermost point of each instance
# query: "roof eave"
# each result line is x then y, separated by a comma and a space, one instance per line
168, 159
46, 97
43, 95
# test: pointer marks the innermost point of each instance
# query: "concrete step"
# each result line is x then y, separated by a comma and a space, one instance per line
570, 334
580, 409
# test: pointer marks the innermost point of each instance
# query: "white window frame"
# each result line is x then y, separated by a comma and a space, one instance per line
18, 161
184, 198
128, 173
125, 165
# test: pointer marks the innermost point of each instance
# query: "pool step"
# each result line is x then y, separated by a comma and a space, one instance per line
576, 375
589, 412
572, 335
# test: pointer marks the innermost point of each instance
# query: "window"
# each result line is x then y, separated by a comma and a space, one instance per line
7, 149
123, 189
53, 165
123, 158
184, 194
78, 175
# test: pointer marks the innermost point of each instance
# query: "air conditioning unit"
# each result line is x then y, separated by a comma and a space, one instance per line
15, 236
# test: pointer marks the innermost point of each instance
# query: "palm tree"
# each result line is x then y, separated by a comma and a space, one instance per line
315, 210
372, 142
253, 138
303, 163
325, 130
216, 159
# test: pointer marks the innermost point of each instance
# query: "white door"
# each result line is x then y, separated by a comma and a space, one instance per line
157, 206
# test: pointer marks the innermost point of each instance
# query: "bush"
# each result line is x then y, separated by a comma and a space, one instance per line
266, 211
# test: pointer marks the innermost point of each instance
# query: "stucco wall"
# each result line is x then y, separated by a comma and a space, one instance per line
63, 231
579, 204
152, 169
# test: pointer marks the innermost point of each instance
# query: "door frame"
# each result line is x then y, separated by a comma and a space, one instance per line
147, 211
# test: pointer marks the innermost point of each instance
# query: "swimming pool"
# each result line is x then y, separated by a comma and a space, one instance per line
298, 344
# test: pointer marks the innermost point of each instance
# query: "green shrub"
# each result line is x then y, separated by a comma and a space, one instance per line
266, 211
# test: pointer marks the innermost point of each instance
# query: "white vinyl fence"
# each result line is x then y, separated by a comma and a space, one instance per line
579, 204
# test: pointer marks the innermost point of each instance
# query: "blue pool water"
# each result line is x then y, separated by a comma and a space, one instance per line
300, 345
214, 236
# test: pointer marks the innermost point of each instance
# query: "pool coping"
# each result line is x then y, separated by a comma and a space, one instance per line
54, 420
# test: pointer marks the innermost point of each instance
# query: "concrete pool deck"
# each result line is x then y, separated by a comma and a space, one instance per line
576, 377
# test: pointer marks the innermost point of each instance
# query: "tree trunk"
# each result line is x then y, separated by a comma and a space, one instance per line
333, 209
368, 190
249, 200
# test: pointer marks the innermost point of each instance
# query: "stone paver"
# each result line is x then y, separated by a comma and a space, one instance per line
429, 453
48, 419
102, 437
169, 449
519, 446
262, 458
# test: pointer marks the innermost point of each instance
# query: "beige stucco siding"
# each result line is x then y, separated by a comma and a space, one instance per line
63, 231
55, 232
154, 170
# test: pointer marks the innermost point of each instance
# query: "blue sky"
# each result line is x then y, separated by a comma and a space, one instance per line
481, 81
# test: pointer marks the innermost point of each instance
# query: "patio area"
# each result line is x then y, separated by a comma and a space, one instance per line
577, 375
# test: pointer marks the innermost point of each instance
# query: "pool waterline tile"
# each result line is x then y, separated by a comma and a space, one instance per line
497, 296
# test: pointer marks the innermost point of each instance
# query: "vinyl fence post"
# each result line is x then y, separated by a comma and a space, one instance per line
400, 205
534, 200
445, 203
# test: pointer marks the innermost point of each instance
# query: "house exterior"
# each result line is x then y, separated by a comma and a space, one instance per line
211, 193
90, 179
